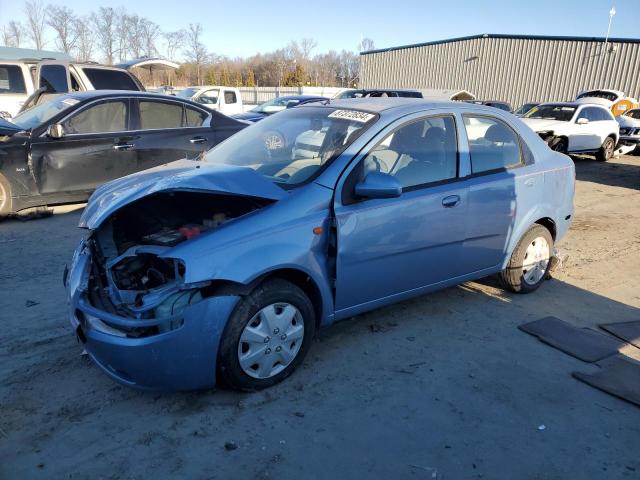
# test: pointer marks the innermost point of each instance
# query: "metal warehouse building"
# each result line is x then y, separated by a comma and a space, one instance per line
515, 68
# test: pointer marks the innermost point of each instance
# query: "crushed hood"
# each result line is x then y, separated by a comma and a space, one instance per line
7, 128
627, 122
542, 124
182, 175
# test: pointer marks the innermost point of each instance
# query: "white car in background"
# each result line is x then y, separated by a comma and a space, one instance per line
575, 128
226, 100
630, 129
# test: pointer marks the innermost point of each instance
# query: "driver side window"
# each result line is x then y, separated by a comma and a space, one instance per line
419, 153
104, 117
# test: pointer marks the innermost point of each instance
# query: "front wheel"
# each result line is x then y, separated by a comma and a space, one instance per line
530, 261
559, 145
266, 337
606, 150
5, 197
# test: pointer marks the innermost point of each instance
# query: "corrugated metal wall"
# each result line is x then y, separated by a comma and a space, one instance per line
513, 69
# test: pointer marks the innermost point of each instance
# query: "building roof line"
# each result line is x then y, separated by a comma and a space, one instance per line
505, 36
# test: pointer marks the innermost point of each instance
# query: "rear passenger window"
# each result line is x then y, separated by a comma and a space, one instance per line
105, 79
195, 118
100, 118
492, 144
154, 115
230, 97
418, 153
11, 79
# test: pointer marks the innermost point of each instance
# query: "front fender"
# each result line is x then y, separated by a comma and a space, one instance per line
296, 247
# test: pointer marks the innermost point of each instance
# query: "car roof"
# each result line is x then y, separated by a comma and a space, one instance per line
302, 97
90, 94
397, 104
573, 104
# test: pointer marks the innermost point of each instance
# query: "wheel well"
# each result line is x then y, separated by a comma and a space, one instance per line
549, 224
305, 283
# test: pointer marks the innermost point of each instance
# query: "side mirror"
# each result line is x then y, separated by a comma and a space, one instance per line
55, 131
379, 185
582, 121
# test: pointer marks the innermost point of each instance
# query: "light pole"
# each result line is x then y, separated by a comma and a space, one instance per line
612, 12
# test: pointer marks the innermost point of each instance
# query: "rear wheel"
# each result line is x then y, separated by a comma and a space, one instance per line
530, 261
5, 196
606, 150
266, 337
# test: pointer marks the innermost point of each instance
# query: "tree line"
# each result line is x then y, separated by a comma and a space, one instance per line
113, 35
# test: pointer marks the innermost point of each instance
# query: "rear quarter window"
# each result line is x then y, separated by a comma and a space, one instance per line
105, 79
11, 80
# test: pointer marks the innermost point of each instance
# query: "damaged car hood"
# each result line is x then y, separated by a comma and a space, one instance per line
540, 124
182, 175
628, 122
7, 128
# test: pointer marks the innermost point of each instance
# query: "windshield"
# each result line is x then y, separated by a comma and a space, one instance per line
44, 112
562, 113
276, 105
635, 113
612, 97
292, 147
524, 108
187, 92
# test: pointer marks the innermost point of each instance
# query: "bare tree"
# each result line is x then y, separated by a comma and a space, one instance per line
104, 25
64, 23
196, 52
6, 37
17, 32
175, 41
85, 39
121, 34
365, 45
306, 47
150, 32
36, 22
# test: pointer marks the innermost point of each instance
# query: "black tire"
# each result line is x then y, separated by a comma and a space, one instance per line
513, 277
559, 144
269, 292
606, 150
6, 206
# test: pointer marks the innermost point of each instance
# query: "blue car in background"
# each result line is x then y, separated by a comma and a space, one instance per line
222, 270
277, 105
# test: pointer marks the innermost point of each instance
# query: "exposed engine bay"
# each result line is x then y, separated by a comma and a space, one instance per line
130, 277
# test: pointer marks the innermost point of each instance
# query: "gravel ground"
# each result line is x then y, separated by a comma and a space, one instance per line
443, 386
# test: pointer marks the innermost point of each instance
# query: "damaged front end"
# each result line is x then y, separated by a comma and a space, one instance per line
132, 274
140, 321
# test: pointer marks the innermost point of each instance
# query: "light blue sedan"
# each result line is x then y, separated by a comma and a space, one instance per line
222, 270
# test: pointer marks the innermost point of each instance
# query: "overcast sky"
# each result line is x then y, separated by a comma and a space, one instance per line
243, 28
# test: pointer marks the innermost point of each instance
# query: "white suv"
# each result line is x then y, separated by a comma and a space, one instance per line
25, 82
575, 128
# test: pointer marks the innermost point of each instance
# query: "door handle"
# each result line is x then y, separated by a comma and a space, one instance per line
123, 146
198, 140
450, 201
530, 183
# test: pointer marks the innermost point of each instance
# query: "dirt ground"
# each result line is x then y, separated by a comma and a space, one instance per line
444, 386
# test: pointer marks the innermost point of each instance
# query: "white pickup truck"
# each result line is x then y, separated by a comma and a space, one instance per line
35, 80
226, 100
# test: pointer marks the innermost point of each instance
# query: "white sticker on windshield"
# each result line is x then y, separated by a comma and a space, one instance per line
70, 101
355, 115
